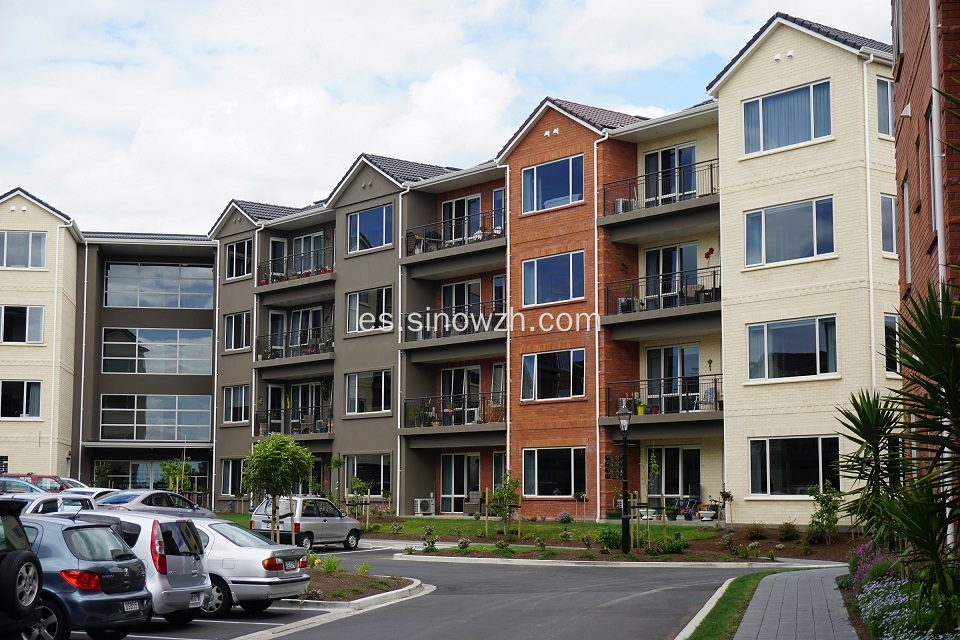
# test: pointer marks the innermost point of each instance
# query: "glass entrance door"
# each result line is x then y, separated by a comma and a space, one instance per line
669, 270
275, 408
673, 378
459, 474
460, 390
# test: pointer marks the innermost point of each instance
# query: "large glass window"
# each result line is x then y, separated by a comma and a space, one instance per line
885, 106
805, 347
370, 310
155, 417
239, 259
371, 228
21, 324
145, 474
786, 118
19, 399
236, 403
789, 232
891, 342
236, 331
679, 472
553, 184
670, 175
231, 471
498, 210
164, 286
790, 466
158, 351
368, 392
554, 472
23, 249
888, 223
372, 468
553, 278
553, 374
461, 218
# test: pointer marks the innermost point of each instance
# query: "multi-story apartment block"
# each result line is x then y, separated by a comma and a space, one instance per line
427, 329
926, 46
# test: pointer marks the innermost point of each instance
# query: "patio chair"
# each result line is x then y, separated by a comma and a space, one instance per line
475, 502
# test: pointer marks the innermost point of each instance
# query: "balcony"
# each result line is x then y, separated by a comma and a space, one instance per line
296, 269
460, 332
459, 420
309, 422
668, 203
691, 403
474, 242
667, 305
293, 354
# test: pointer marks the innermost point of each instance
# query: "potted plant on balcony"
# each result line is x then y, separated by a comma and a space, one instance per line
450, 407
263, 280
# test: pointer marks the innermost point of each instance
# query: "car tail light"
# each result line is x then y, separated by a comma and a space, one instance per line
157, 551
83, 580
273, 564
251, 524
296, 527
303, 563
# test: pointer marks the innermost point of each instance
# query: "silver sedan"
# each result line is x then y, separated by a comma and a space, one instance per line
248, 570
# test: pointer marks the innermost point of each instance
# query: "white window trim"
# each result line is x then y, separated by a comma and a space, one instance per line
387, 326
893, 208
244, 330
502, 210
29, 266
249, 252
24, 416
896, 328
228, 407
384, 396
228, 477
536, 356
569, 160
386, 245
892, 119
759, 100
536, 479
763, 234
766, 356
27, 340
570, 273
767, 439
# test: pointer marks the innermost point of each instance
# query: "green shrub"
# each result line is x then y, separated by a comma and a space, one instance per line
502, 544
408, 550
806, 549
587, 541
772, 555
429, 544
363, 569
428, 530
540, 543
756, 531
565, 534
609, 537
564, 517
823, 521
546, 554
396, 527
586, 555
457, 531
727, 542
330, 564
788, 531
476, 516
463, 543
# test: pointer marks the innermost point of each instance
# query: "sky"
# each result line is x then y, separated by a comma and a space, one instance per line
151, 116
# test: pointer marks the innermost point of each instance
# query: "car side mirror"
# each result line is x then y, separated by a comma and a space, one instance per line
343, 515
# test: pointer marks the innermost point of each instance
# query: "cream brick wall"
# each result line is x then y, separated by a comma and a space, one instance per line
704, 137
839, 285
27, 441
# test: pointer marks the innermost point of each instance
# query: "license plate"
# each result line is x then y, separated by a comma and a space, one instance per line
131, 605
194, 598
290, 565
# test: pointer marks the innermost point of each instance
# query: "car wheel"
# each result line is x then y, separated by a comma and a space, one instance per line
109, 634
256, 606
20, 581
219, 603
307, 541
51, 626
352, 540
184, 616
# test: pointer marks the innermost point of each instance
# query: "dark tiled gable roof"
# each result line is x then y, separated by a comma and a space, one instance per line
261, 211
843, 37
595, 116
104, 235
36, 199
404, 170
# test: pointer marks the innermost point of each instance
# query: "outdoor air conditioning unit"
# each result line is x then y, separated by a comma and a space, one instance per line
622, 205
424, 506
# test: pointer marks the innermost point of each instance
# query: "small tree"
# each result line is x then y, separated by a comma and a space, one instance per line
176, 473
823, 521
503, 500
274, 467
101, 475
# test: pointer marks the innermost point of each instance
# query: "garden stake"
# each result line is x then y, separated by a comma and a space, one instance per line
368, 509
486, 516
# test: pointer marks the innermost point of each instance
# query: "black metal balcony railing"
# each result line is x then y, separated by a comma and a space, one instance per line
666, 395
295, 421
459, 320
289, 344
457, 232
457, 409
295, 266
663, 187
663, 291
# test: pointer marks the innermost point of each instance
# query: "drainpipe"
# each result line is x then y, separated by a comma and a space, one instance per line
509, 310
214, 488
596, 331
870, 238
55, 360
937, 159
400, 412
83, 357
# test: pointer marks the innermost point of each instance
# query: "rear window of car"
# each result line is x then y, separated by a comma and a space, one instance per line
73, 484
14, 538
119, 498
180, 538
240, 536
283, 507
97, 544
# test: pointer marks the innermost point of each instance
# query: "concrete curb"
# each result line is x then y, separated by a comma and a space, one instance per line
354, 605
636, 565
708, 606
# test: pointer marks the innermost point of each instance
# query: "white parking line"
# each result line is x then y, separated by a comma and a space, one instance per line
167, 637
359, 550
268, 624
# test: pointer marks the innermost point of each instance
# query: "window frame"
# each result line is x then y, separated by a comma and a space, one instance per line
24, 413
386, 392
572, 283
137, 359
230, 328
816, 320
140, 293
891, 116
536, 471
29, 310
766, 471
532, 169
353, 241
350, 463
5, 249
381, 326
146, 424
227, 476
888, 228
231, 407
244, 262
759, 100
891, 343
762, 213
534, 382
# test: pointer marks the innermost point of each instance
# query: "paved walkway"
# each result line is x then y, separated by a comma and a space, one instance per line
800, 605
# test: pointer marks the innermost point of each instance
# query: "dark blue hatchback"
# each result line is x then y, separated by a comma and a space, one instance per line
92, 581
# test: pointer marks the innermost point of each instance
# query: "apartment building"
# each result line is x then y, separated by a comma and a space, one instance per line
925, 49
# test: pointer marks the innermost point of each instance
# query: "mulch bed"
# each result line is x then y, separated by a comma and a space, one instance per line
344, 587
850, 600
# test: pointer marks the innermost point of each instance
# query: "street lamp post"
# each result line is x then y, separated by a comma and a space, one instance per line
623, 414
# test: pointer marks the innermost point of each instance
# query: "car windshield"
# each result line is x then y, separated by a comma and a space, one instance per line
12, 535
240, 536
97, 544
119, 498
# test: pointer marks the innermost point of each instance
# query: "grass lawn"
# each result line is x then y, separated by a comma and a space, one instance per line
722, 621
242, 519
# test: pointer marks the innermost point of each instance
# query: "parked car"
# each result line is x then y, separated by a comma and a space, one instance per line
154, 501
46, 482
20, 574
247, 569
50, 502
308, 520
15, 485
94, 493
92, 581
